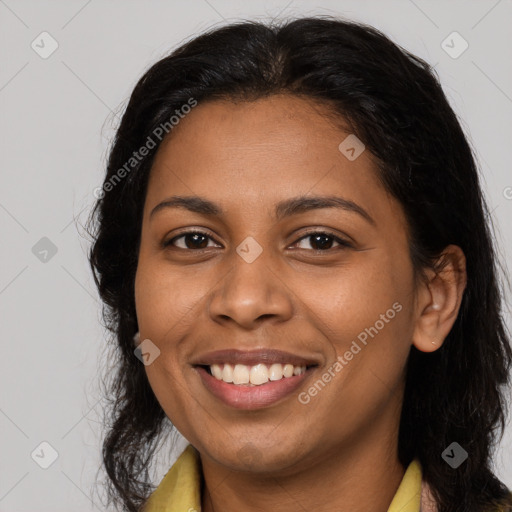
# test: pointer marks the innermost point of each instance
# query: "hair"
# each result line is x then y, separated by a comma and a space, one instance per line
393, 102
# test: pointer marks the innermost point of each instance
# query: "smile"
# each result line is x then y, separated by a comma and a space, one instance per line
252, 379
256, 375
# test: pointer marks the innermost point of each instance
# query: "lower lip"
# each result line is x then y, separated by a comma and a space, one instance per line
251, 397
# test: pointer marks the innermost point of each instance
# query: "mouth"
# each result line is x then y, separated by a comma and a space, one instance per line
255, 379
254, 375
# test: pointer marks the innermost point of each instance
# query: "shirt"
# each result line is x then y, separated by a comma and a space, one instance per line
179, 490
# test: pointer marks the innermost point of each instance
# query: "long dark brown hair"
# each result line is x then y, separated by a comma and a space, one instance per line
395, 105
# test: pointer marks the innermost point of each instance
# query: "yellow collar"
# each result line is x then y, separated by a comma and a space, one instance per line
179, 490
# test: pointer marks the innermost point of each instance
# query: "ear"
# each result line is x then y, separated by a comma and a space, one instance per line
438, 300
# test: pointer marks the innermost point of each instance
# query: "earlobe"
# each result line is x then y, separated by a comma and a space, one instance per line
439, 300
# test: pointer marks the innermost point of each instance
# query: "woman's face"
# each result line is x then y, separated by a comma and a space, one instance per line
301, 251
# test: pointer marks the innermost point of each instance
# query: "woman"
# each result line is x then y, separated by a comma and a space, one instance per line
292, 230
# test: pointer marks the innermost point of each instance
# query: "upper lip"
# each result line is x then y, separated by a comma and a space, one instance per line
252, 357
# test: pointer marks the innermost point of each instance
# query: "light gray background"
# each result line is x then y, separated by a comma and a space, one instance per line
58, 116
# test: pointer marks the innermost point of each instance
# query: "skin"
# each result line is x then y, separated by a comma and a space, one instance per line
334, 452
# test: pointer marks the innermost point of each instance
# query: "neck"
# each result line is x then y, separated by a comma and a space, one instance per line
343, 478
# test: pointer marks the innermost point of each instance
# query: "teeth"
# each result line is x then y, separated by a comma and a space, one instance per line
216, 371
227, 373
275, 372
288, 370
254, 375
258, 374
241, 374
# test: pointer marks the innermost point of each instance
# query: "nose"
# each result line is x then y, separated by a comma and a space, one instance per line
251, 293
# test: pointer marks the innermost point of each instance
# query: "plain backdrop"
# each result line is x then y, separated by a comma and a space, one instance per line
58, 115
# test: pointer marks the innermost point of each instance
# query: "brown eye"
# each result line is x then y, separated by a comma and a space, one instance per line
323, 241
192, 240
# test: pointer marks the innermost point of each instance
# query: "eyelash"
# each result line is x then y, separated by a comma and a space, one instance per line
340, 241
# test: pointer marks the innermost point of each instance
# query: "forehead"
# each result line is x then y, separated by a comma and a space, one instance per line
252, 153
282, 123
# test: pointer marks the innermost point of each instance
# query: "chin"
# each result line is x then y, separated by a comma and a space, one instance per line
257, 457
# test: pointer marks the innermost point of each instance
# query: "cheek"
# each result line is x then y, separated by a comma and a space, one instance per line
165, 310
173, 395
166, 299
366, 318
349, 300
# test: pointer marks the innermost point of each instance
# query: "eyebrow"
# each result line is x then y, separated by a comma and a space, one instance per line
285, 208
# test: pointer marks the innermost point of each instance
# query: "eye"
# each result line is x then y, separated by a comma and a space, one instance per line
192, 240
323, 241
198, 240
